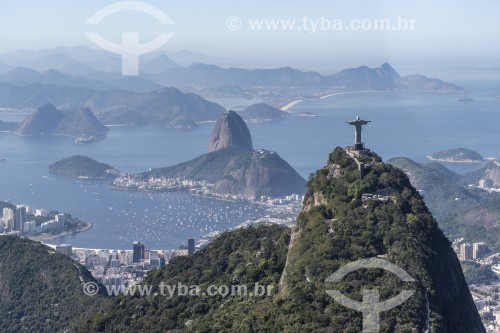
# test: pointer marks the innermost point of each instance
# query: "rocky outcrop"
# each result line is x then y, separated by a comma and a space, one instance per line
230, 130
232, 166
47, 120
41, 122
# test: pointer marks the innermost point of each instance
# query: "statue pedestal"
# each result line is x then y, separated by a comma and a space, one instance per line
353, 151
359, 146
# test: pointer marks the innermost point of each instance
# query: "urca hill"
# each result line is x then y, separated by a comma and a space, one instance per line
234, 167
348, 215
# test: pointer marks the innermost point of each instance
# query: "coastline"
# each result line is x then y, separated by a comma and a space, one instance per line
191, 191
353, 92
297, 101
44, 239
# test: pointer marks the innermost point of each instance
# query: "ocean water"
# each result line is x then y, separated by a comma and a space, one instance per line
403, 124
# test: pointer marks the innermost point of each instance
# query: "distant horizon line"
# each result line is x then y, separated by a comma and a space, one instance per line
228, 62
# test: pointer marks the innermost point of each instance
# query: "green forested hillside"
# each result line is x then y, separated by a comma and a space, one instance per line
460, 211
40, 289
337, 226
238, 257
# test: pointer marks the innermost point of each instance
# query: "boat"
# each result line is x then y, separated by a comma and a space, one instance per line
85, 139
465, 98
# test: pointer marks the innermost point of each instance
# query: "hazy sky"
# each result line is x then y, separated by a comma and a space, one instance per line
444, 31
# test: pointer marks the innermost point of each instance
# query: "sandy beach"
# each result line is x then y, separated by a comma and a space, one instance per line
295, 102
289, 105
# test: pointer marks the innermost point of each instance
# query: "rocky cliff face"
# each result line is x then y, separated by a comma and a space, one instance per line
230, 130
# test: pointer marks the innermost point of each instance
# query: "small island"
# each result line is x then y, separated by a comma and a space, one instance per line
83, 167
307, 114
459, 155
262, 112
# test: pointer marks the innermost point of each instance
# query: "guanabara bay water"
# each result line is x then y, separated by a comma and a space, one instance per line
407, 124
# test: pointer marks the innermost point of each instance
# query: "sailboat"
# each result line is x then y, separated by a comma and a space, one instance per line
465, 98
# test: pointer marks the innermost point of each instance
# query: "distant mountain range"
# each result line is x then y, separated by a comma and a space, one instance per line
72, 78
167, 107
21, 76
159, 69
360, 78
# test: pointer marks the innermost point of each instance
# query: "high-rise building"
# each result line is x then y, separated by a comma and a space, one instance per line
191, 246
466, 251
66, 249
8, 213
125, 258
8, 218
20, 218
138, 251
40, 212
154, 260
60, 218
478, 250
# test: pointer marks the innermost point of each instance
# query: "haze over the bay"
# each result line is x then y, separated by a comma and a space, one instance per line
445, 32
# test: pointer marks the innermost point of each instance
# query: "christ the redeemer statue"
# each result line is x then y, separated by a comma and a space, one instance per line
358, 123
